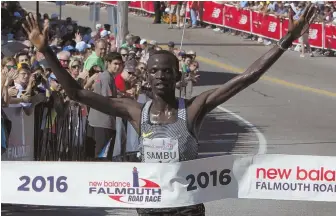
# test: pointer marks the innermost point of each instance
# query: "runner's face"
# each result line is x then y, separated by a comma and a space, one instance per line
162, 74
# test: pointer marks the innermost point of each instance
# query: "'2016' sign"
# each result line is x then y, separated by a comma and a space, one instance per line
39, 184
202, 180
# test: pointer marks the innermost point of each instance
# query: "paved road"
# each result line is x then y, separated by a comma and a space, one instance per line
293, 107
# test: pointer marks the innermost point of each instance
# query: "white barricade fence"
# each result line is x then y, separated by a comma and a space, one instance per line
150, 185
21, 138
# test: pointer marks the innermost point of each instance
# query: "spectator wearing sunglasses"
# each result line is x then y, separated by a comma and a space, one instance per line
127, 76
64, 58
9, 63
124, 54
75, 67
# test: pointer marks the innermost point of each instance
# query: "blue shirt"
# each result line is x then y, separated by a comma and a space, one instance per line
243, 4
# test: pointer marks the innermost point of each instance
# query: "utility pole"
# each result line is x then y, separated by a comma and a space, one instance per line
94, 16
37, 8
122, 11
60, 11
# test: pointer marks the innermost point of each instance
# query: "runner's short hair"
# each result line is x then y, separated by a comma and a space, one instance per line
166, 52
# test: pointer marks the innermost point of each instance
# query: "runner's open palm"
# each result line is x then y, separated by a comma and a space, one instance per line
39, 39
298, 27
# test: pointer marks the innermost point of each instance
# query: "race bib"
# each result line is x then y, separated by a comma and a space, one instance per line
161, 150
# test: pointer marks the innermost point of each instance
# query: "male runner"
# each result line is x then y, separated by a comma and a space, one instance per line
165, 116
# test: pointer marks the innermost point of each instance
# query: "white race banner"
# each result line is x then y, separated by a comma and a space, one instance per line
128, 185
141, 185
290, 177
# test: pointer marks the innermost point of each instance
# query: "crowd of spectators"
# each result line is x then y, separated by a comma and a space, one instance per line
326, 13
92, 59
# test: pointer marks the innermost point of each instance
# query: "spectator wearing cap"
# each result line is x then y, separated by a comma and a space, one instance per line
153, 43
171, 46
70, 49
129, 44
98, 27
105, 34
81, 47
192, 54
53, 83
103, 125
96, 58
124, 79
64, 57
143, 44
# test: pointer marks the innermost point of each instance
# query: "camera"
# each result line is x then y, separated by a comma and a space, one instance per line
38, 78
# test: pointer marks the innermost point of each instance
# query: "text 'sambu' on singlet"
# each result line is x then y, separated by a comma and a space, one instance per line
168, 143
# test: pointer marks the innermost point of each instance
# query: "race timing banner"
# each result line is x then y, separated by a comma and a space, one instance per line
141, 185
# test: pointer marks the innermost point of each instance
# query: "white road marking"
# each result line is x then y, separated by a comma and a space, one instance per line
262, 140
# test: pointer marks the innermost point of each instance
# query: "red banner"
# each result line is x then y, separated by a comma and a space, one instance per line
148, 6
266, 25
213, 13
135, 4
315, 34
237, 19
330, 37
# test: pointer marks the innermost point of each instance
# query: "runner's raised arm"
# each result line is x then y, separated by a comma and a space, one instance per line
215, 97
113, 106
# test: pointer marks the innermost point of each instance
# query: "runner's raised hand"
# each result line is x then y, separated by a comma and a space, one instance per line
39, 39
298, 27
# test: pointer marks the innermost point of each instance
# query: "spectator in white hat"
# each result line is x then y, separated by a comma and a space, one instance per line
143, 44
105, 34
192, 54
153, 42
82, 46
98, 26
